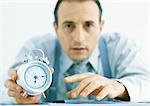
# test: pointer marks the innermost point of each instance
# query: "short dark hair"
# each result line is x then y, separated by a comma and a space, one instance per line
60, 1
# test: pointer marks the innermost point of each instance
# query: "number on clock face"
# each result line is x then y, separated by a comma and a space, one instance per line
35, 77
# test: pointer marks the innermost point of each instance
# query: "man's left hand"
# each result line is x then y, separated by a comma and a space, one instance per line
94, 84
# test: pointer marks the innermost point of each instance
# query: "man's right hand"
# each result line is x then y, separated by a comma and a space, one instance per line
16, 91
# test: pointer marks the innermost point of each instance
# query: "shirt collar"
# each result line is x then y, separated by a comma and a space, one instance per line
66, 62
94, 58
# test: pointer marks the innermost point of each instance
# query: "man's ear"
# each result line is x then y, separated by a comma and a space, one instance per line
101, 24
55, 27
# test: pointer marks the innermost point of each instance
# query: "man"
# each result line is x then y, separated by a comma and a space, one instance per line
78, 65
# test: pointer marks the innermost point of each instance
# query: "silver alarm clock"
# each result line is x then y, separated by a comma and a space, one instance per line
33, 73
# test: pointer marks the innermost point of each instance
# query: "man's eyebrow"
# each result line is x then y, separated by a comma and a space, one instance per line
67, 22
71, 22
90, 21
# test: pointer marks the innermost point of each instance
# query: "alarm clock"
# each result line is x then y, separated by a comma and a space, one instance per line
33, 74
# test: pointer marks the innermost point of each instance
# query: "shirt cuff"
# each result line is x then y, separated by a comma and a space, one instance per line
131, 89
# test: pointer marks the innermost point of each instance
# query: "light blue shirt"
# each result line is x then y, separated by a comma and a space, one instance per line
124, 59
66, 63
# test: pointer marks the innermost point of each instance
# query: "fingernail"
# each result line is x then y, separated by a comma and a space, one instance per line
65, 79
98, 98
24, 94
71, 95
74, 95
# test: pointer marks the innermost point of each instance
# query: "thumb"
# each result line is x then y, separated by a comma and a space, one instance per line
12, 74
51, 70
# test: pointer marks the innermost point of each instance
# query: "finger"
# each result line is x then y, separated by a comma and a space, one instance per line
96, 91
16, 94
28, 100
51, 70
24, 94
75, 92
90, 88
103, 93
78, 77
12, 74
11, 85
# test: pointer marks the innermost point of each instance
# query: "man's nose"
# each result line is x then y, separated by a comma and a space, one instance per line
79, 35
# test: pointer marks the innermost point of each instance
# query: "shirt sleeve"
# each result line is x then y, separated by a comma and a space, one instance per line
46, 43
128, 68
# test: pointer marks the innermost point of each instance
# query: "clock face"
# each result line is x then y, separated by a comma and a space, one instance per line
35, 77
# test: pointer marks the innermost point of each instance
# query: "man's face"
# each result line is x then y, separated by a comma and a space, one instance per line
78, 28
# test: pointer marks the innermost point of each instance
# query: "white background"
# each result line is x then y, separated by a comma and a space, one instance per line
24, 19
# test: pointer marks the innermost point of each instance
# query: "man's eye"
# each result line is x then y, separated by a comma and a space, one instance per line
88, 25
69, 26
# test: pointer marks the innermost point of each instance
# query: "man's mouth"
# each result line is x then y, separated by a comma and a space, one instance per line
78, 49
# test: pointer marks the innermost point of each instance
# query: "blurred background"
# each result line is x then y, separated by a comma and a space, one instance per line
21, 20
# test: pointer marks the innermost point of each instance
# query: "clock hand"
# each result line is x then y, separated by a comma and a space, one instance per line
41, 76
35, 77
